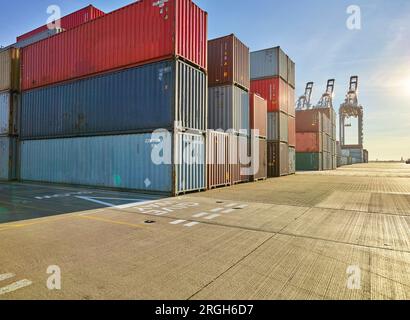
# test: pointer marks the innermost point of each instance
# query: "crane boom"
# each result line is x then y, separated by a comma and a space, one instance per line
303, 102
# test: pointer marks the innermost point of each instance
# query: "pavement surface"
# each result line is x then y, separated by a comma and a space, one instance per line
343, 234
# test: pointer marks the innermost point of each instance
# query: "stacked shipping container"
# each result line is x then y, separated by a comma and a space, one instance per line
228, 109
93, 96
315, 142
273, 78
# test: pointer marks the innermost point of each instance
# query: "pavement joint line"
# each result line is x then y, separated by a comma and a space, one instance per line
232, 266
133, 225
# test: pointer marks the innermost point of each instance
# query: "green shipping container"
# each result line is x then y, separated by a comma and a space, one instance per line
308, 161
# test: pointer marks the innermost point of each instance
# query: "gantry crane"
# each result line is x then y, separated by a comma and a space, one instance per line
326, 101
351, 109
303, 102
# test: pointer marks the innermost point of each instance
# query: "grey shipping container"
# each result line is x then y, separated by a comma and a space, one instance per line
292, 160
8, 113
229, 109
261, 158
327, 161
278, 126
135, 100
37, 37
8, 158
133, 162
269, 63
292, 75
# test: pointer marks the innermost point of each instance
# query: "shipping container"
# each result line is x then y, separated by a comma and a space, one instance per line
292, 160
10, 69
228, 109
306, 161
327, 161
274, 90
228, 62
8, 158
37, 37
261, 171
365, 156
309, 121
291, 101
142, 32
9, 106
139, 99
291, 74
269, 63
258, 115
308, 142
136, 162
278, 159
67, 22
278, 126
292, 131
219, 168
240, 158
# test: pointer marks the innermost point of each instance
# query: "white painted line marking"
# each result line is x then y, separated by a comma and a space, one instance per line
15, 286
200, 215
242, 206
228, 211
231, 205
177, 222
6, 276
191, 224
217, 209
213, 216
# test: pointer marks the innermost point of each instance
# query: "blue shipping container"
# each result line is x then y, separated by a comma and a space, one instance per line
121, 161
135, 100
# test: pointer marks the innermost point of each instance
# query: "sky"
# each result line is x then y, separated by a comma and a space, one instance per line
314, 33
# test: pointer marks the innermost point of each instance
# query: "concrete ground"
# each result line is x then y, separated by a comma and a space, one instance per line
330, 235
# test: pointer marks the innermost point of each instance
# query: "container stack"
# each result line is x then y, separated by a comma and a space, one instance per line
95, 96
9, 100
228, 111
330, 155
273, 78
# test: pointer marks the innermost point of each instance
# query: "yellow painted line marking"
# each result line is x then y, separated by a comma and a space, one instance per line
113, 222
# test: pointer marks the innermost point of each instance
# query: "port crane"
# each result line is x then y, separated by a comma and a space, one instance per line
303, 102
326, 101
351, 108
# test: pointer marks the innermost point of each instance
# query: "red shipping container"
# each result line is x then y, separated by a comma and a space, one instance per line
258, 114
228, 62
309, 121
308, 142
292, 131
274, 90
69, 21
142, 32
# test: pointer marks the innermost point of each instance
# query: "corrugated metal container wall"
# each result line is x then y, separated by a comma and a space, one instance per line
37, 37
283, 127
228, 108
122, 161
269, 63
274, 90
258, 114
273, 160
122, 38
190, 162
310, 142
8, 157
308, 161
10, 69
228, 62
273, 126
132, 100
292, 131
8, 113
291, 101
291, 73
284, 159
327, 161
292, 160
67, 22
219, 167
308, 121
238, 145
261, 160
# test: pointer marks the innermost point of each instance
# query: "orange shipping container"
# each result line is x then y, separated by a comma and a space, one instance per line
308, 142
258, 114
274, 90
